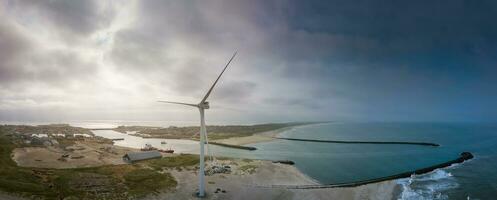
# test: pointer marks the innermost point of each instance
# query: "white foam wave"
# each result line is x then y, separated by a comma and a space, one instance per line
427, 186
437, 174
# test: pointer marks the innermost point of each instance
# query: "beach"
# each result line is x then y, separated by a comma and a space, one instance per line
255, 138
256, 185
263, 136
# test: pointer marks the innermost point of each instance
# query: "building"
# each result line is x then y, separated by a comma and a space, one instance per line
143, 155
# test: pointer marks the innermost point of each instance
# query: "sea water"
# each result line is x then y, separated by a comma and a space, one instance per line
336, 163
331, 163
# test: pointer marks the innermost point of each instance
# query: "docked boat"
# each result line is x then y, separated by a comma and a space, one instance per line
148, 147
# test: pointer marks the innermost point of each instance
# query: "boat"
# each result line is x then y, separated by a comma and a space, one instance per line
163, 142
167, 150
148, 147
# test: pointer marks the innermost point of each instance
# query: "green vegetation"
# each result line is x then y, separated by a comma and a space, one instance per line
142, 181
111, 182
178, 162
105, 182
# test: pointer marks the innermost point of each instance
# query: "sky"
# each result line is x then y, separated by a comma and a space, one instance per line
64, 60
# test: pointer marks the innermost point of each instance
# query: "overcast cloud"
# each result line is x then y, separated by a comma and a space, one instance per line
297, 60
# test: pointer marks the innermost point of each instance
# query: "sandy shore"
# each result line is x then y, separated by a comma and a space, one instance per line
243, 185
255, 138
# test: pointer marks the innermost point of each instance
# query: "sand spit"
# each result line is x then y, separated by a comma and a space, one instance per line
255, 138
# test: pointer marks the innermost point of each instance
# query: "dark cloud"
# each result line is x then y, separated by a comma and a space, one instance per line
135, 50
12, 49
411, 60
22, 63
234, 91
61, 68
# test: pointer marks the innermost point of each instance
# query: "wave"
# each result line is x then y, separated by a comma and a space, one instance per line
430, 185
427, 186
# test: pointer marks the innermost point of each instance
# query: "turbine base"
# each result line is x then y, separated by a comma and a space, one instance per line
196, 194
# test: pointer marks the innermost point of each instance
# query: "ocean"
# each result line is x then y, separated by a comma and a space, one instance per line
337, 163
331, 163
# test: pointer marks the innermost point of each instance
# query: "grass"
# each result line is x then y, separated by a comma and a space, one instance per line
143, 181
112, 182
105, 182
184, 160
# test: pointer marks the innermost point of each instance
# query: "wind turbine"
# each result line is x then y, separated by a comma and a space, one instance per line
204, 104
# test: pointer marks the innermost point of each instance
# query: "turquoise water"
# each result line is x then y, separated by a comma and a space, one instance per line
336, 163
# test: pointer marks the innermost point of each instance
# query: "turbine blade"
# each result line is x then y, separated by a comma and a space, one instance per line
212, 87
186, 104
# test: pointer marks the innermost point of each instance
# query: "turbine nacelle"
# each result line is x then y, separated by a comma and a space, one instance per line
204, 105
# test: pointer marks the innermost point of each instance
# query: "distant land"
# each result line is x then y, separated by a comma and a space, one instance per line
214, 132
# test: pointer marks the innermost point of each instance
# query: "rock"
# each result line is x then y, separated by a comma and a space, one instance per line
286, 162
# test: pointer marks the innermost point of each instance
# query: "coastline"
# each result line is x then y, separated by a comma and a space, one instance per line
247, 186
241, 184
256, 138
263, 136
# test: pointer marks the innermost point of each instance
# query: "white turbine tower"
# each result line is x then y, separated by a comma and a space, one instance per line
204, 104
